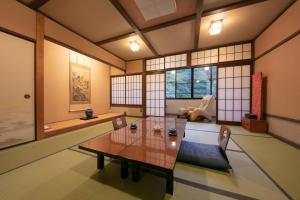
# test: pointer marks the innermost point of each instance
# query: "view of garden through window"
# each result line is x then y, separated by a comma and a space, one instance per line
179, 83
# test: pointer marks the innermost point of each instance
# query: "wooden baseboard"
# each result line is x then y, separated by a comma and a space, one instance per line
285, 140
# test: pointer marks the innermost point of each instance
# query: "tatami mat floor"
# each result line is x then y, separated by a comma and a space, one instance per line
71, 174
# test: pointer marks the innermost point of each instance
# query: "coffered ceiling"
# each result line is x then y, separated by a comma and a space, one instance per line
112, 24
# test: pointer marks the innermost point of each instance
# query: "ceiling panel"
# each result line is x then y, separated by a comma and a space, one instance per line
184, 8
240, 24
122, 49
174, 38
95, 19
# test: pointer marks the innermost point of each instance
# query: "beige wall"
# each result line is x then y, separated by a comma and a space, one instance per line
281, 67
16, 17
287, 24
129, 111
135, 66
62, 34
57, 85
115, 71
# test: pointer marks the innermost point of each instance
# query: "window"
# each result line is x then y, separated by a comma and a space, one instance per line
178, 84
204, 81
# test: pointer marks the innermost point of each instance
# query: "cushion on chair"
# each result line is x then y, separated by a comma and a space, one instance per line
199, 112
206, 155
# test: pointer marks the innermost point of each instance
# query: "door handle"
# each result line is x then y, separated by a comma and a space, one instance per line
26, 96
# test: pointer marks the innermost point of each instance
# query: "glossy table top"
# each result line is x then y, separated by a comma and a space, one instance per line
143, 144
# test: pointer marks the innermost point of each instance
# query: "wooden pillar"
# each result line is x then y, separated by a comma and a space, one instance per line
144, 88
39, 77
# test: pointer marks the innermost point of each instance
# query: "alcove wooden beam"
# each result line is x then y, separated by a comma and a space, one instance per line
199, 10
36, 4
39, 76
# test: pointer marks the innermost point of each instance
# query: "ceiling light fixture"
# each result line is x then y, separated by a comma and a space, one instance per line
215, 27
134, 46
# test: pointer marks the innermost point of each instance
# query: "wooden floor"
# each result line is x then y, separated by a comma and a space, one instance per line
73, 124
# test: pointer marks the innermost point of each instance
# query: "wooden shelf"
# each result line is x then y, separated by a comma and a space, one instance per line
74, 124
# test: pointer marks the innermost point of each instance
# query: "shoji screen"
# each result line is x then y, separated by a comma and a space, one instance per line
233, 92
118, 90
176, 61
134, 89
155, 64
155, 94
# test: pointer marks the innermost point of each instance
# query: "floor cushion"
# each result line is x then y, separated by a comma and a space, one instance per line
206, 155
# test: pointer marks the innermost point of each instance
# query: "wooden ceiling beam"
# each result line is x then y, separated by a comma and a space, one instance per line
112, 39
36, 4
189, 18
122, 11
231, 6
199, 11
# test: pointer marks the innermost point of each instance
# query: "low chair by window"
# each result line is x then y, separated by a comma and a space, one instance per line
207, 155
119, 122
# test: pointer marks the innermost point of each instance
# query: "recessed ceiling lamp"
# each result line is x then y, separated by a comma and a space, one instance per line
215, 27
134, 46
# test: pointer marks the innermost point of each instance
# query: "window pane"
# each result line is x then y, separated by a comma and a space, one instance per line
170, 84
183, 76
183, 83
202, 81
214, 81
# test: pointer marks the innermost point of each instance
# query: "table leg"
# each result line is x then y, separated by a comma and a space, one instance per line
135, 172
124, 169
100, 161
169, 182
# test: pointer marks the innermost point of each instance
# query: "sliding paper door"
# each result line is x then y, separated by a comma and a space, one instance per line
155, 94
234, 88
17, 91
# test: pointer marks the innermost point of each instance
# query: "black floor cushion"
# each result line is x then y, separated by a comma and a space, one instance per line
206, 155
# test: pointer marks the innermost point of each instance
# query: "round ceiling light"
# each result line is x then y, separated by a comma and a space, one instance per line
134, 46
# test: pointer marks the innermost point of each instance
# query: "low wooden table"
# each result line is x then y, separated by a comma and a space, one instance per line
142, 147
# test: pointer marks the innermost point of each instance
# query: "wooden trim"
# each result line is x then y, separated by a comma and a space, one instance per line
169, 23
36, 4
229, 122
129, 74
277, 17
235, 63
231, 6
113, 39
127, 105
24, 37
82, 52
278, 44
122, 11
144, 88
283, 118
39, 77
199, 11
285, 140
50, 133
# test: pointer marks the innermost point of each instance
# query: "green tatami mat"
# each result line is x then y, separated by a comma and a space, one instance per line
23, 154
247, 179
279, 160
52, 178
